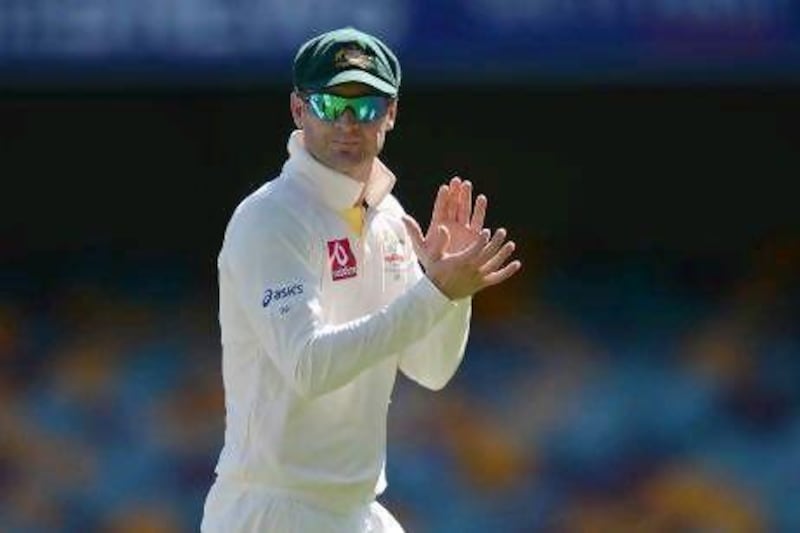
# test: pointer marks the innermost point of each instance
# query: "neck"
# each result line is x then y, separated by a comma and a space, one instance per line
360, 173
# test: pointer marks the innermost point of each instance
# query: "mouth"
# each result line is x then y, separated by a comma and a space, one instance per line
345, 143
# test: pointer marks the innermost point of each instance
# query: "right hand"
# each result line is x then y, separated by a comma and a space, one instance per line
463, 273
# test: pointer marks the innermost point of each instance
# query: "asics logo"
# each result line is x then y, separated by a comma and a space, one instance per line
281, 292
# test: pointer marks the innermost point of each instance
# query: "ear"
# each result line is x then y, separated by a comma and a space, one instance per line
391, 115
297, 107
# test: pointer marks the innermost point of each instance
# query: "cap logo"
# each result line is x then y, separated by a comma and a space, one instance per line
352, 57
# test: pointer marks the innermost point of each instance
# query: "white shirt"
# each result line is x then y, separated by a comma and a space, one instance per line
315, 321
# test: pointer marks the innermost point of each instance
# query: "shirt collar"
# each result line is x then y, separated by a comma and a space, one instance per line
336, 189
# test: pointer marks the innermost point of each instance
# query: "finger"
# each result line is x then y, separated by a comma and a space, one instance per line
497, 260
503, 274
493, 245
453, 198
439, 207
415, 234
479, 213
475, 248
435, 239
440, 243
465, 203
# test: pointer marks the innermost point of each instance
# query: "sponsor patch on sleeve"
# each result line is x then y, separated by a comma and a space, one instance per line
281, 296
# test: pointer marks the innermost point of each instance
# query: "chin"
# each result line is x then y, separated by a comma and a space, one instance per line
345, 158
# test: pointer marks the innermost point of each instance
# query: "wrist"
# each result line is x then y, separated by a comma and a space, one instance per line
442, 286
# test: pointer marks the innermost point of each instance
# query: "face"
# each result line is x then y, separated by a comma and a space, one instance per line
344, 145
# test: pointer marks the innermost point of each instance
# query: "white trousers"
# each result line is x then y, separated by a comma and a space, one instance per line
233, 507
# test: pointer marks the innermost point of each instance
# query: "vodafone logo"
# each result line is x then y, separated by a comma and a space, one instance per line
343, 262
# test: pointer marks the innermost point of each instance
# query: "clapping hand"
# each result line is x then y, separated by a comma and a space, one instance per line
458, 254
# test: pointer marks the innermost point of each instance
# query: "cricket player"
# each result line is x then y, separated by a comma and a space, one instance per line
327, 289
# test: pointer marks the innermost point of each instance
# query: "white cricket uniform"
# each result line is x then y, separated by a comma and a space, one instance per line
316, 318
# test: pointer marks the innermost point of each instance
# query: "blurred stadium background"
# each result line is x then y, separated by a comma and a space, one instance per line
640, 375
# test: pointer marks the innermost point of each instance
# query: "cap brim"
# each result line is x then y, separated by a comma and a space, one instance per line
366, 78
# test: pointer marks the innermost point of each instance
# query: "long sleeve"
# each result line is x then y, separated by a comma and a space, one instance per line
274, 264
432, 360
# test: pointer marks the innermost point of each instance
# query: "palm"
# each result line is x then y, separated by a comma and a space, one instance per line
457, 253
461, 236
453, 209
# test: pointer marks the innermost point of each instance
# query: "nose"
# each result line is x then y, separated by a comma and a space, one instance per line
347, 120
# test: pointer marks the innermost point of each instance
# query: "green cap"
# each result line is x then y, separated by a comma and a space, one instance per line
344, 55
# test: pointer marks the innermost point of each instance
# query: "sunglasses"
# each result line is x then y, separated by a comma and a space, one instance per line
329, 107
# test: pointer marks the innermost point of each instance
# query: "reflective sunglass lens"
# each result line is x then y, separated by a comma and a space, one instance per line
329, 107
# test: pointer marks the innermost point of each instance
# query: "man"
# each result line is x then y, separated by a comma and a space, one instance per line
322, 300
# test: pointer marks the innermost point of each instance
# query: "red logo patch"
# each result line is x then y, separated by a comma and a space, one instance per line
343, 262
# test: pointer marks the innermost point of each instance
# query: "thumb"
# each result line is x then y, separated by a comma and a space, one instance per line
441, 239
415, 234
